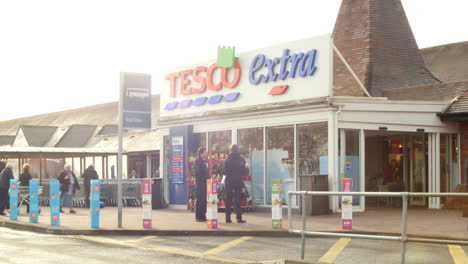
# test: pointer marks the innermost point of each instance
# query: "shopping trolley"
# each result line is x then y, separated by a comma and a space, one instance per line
23, 195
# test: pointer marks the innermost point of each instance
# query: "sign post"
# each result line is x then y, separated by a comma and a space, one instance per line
276, 203
212, 206
134, 113
95, 203
54, 202
146, 201
33, 201
13, 199
347, 204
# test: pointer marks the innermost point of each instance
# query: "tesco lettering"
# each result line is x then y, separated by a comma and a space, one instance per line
204, 76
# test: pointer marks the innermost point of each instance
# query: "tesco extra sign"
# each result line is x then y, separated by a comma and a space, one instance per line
292, 71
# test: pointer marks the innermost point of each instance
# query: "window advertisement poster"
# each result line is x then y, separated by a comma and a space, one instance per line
347, 205
276, 203
177, 160
33, 201
13, 199
95, 203
146, 201
54, 202
212, 206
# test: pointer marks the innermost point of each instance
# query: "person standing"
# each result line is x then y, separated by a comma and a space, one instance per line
5, 176
68, 186
89, 174
201, 175
235, 169
24, 179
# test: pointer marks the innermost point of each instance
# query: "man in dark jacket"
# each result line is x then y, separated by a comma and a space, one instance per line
235, 169
89, 174
201, 175
5, 176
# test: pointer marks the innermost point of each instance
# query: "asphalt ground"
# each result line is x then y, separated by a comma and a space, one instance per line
29, 247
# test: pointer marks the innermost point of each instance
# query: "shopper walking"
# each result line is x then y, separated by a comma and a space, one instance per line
5, 176
24, 179
201, 175
235, 169
89, 174
68, 186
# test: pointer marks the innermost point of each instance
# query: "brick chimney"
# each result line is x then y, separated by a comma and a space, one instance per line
376, 39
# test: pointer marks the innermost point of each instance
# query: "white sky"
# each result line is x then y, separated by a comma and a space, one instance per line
58, 55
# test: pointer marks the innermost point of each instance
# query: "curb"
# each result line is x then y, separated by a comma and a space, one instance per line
38, 228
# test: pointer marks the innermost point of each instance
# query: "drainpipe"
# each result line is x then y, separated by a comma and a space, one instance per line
335, 179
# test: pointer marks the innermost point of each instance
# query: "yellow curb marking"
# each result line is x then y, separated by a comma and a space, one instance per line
228, 245
458, 254
335, 250
141, 239
170, 250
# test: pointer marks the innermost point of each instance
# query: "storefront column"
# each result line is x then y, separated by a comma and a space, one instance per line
148, 166
434, 169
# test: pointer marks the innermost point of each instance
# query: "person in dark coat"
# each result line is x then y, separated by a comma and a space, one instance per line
235, 169
5, 176
89, 174
24, 179
201, 175
68, 186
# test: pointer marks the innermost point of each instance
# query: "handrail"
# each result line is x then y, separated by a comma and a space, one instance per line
403, 237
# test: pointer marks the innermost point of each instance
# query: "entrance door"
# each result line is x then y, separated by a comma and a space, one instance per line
418, 168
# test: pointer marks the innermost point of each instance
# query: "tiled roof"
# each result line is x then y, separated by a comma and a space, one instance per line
436, 92
77, 136
376, 39
6, 140
448, 62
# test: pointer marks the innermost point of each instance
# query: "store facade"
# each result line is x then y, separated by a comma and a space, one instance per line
278, 105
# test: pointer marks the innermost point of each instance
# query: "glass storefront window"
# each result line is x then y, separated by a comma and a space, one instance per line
280, 158
218, 149
312, 149
250, 142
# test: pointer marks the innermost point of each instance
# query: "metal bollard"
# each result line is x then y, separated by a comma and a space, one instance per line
404, 237
304, 218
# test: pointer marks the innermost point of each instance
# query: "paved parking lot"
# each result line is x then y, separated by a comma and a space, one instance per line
27, 247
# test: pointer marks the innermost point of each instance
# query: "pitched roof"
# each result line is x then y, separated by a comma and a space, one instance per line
435, 92
98, 115
77, 136
376, 39
448, 62
38, 136
6, 140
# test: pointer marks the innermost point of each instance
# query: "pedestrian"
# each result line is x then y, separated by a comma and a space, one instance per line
133, 175
24, 179
89, 174
235, 169
5, 176
201, 175
68, 186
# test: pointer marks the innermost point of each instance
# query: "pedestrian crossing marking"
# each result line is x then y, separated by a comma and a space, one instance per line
335, 250
226, 246
458, 254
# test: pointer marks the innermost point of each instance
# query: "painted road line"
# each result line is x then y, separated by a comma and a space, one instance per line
170, 250
458, 254
335, 250
226, 246
141, 239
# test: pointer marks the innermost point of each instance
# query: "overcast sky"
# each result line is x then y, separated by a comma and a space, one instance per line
58, 55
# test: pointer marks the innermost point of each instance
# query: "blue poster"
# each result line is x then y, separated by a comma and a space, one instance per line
13, 199
54, 202
95, 203
177, 160
33, 201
